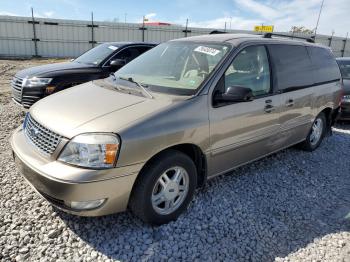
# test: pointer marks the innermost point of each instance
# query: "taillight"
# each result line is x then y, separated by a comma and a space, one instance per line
341, 93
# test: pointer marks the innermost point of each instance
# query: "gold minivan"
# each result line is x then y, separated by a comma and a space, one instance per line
188, 110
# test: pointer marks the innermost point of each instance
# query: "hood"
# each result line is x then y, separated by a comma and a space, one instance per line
92, 108
346, 85
45, 70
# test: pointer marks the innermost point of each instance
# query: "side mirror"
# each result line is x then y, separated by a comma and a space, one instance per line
234, 94
117, 63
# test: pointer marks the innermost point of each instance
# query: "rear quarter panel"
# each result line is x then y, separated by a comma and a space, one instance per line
326, 95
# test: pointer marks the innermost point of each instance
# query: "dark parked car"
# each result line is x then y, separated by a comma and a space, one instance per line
30, 85
344, 64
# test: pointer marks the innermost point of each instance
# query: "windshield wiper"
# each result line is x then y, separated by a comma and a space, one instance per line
130, 79
114, 78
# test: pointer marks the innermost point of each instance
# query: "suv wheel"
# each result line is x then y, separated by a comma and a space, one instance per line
316, 134
165, 188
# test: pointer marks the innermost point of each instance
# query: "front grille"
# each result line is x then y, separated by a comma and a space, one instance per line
44, 139
16, 86
29, 100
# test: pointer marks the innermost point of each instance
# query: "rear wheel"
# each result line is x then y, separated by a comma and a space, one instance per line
165, 188
316, 134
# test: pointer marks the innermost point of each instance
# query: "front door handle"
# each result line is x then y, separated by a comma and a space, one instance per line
290, 103
269, 108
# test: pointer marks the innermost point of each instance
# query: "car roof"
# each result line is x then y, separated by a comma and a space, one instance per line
237, 39
343, 58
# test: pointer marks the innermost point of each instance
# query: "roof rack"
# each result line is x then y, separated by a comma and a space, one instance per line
217, 32
307, 39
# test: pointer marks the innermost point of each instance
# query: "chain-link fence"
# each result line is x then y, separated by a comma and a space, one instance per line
29, 36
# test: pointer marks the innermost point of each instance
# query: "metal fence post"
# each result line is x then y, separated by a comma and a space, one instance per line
186, 29
330, 39
143, 28
92, 30
34, 34
344, 44
92, 41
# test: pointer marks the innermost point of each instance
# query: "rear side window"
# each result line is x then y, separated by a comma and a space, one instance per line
292, 67
326, 68
128, 54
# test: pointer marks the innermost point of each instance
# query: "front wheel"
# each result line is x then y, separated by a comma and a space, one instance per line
316, 134
165, 188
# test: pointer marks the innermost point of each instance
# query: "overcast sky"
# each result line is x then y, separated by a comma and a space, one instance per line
239, 14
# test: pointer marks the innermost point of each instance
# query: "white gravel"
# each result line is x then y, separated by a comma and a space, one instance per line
292, 206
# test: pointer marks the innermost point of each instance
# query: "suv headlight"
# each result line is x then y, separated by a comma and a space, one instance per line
346, 99
36, 81
95, 150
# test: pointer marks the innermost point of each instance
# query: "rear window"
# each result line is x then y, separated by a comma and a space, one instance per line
292, 67
326, 68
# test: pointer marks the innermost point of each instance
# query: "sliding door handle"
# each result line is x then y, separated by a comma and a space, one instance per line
290, 103
269, 108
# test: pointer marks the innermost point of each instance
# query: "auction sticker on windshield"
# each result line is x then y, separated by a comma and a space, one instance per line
207, 50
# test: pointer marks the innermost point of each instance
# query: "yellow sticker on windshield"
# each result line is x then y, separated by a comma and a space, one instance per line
207, 50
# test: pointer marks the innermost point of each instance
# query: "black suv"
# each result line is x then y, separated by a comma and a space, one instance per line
344, 64
30, 85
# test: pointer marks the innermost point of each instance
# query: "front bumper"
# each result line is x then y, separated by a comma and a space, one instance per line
61, 184
344, 113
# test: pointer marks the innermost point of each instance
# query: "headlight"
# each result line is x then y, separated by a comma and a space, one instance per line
346, 99
95, 150
36, 81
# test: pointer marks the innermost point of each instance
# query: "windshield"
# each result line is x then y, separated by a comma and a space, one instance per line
175, 67
345, 68
96, 55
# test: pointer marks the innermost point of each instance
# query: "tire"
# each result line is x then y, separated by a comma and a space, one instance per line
157, 183
310, 144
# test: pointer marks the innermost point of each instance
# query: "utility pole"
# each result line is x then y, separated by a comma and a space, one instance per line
318, 19
125, 17
225, 26
34, 34
230, 22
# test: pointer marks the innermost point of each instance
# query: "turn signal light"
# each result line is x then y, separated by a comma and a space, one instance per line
111, 153
50, 89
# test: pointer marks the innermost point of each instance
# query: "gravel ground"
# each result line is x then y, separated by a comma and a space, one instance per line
291, 206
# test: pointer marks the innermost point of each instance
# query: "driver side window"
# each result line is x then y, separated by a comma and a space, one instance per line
250, 69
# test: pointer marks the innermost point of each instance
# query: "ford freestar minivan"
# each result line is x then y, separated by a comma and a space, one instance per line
184, 112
